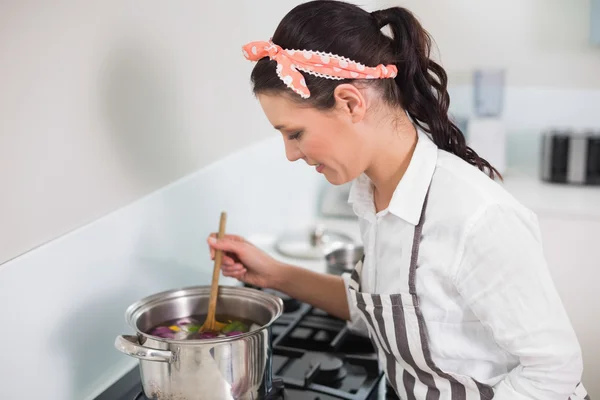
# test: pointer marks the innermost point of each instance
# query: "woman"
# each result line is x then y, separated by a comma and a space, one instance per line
453, 290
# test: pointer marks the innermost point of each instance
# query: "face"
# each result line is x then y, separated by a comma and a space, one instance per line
333, 141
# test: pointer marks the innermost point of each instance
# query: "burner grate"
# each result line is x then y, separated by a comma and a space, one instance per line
316, 353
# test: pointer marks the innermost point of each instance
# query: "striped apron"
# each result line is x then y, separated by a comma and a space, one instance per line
399, 335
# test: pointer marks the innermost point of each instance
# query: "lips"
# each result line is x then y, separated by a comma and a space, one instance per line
320, 167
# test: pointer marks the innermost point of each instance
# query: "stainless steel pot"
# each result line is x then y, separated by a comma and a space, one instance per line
230, 368
343, 258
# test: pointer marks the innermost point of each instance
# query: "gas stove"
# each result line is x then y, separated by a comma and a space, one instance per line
315, 357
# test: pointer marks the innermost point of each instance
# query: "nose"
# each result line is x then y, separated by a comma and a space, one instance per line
292, 152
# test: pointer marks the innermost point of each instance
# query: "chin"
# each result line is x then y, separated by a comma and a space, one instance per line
337, 179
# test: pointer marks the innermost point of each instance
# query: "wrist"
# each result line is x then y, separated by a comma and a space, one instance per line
280, 277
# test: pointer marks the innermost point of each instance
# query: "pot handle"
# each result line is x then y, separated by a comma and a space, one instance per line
129, 345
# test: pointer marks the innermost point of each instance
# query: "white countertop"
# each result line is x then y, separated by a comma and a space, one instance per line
346, 226
552, 198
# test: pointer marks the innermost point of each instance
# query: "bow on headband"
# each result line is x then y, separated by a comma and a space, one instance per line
324, 65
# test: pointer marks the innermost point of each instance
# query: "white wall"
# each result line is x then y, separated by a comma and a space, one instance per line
104, 101
540, 42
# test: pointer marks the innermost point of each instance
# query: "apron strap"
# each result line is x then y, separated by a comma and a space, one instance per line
412, 274
355, 276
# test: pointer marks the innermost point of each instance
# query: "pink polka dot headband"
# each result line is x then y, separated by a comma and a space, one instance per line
324, 65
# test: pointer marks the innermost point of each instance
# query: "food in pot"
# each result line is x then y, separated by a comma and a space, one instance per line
188, 328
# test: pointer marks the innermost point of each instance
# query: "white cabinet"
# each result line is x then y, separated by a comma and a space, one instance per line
573, 254
595, 22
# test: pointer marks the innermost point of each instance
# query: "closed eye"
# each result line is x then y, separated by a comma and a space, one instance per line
295, 135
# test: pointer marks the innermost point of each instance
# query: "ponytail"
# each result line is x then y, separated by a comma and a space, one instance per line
423, 85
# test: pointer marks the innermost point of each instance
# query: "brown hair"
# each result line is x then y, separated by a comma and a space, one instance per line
340, 28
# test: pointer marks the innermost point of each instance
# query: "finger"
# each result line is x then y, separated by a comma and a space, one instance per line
226, 244
232, 267
237, 273
212, 251
239, 277
233, 256
228, 260
228, 236
237, 238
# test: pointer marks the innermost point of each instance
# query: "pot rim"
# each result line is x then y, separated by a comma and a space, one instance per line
147, 302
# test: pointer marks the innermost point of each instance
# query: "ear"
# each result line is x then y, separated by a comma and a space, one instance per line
350, 101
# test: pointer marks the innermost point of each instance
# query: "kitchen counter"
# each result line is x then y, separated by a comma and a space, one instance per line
553, 198
347, 226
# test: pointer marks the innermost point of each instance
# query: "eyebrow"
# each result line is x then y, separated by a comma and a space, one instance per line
279, 127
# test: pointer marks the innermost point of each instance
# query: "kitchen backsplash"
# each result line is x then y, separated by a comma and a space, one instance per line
529, 111
63, 304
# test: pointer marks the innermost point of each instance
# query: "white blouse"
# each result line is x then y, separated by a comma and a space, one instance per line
490, 306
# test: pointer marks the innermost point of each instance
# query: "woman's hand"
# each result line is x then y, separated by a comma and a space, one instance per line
245, 262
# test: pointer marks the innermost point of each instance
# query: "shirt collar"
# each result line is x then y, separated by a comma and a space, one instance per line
409, 196
361, 196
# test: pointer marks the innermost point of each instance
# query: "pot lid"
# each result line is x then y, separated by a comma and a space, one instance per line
310, 244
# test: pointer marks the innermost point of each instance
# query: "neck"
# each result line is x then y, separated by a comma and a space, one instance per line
392, 153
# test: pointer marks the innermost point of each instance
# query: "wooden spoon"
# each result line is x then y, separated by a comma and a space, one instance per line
211, 325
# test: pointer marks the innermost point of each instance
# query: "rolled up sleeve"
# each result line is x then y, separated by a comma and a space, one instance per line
356, 323
504, 278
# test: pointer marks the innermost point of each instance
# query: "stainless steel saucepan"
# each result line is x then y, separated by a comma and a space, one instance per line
231, 368
343, 258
